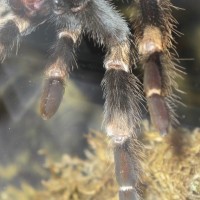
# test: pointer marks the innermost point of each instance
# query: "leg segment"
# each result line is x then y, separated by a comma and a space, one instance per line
11, 26
18, 19
121, 91
57, 71
9, 37
121, 120
154, 28
126, 167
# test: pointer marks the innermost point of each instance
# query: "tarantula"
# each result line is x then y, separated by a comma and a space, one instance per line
122, 90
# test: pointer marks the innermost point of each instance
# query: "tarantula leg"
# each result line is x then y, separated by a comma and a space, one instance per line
125, 168
8, 37
154, 28
56, 73
121, 92
121, 119
17, 18
11, 28
153, 87
53, 92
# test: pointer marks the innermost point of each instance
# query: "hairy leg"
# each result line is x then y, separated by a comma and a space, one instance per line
154, 27
57, 71
17, 18
121, 90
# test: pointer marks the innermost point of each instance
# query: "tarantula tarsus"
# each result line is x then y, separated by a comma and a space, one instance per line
122, 91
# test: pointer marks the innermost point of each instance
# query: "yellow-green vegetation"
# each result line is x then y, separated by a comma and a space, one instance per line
171, 171
172, 166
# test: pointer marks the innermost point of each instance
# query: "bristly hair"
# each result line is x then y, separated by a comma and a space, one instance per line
161, 18
122, 114
157, 14
122, 92
166, 23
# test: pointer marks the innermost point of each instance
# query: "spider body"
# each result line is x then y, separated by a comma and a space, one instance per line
122, 91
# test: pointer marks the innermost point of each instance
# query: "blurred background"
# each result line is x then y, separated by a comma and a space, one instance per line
22, 130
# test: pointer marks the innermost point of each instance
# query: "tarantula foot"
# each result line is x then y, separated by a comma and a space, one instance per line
52, 97
159, 113
157, 105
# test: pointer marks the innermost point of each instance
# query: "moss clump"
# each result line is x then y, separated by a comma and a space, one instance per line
172, 166
171, 171
74, 178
